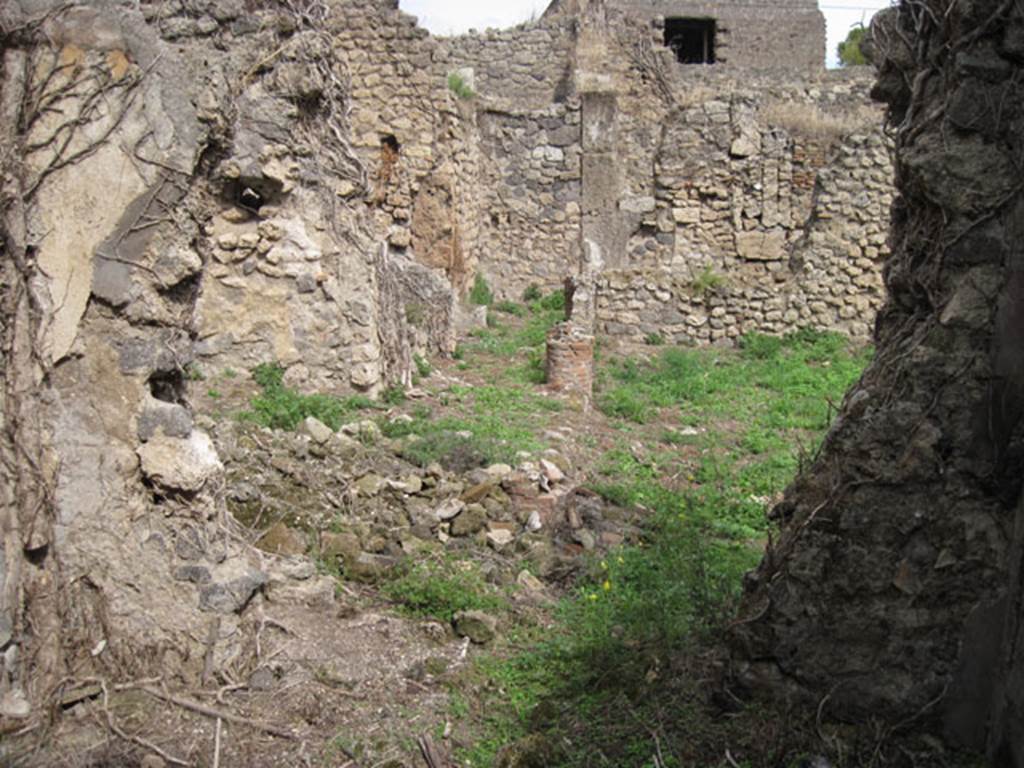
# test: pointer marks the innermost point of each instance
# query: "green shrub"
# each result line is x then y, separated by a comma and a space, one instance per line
707, 281
849, 50
280, 407
457, 84
393, 395
654, 339
554, 301
480, 294
423, 367
510, 308
532, 293
441, 588
268, 375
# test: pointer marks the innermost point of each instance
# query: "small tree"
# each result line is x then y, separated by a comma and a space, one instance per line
849, 50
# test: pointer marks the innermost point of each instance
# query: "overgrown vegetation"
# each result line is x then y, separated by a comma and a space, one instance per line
708, 281
816, 124
849, 51
441, 587
480, 294
621, 673
281, 407
457, 84
485, 425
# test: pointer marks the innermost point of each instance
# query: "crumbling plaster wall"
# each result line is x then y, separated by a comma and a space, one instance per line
424, 186
183, 190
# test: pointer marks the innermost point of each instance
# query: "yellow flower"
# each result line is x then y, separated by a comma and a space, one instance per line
620, 561
592, 596
607, 585
604, 565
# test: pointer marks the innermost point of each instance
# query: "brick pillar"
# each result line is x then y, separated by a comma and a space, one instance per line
570, 362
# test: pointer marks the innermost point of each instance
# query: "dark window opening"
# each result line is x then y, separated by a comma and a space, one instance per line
692, 40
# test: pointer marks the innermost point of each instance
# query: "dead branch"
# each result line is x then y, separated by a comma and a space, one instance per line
120, 733
213, 712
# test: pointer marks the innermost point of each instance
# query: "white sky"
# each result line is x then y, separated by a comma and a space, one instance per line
449, 17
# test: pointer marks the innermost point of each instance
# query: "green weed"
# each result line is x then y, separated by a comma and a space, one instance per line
441, 587
280, 407
480, 294
457, 84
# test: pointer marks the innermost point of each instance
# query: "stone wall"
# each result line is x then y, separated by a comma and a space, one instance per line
204, 192
750, 34
753, 202
767, 211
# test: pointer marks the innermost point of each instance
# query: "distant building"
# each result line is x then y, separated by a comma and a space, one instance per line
752, 34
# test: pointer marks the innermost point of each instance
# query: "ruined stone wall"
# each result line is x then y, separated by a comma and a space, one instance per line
893, 595
750, 34
197, 195
767, 210
416, 140
528, 123
753, 202
529, 66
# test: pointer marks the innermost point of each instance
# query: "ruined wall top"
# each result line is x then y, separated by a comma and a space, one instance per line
747, 34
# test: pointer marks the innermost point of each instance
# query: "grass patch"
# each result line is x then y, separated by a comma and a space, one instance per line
281, 407
441, 587
480, 294
486, 425
457, 84
607, 663
628, 653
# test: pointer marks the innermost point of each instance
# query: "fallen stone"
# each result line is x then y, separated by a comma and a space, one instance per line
180, 464
344, 445
472, 519
282, 540
585, 539
478, 492
534, 522
551, 471
196, 574
366, 431
343, 545
411, 484
315, 593
500, 538
499, 470
481, 628
15, 705
450, 509
170, 418
611, 539
317, 431
297, 569
368, 568
529, 582
369, 485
